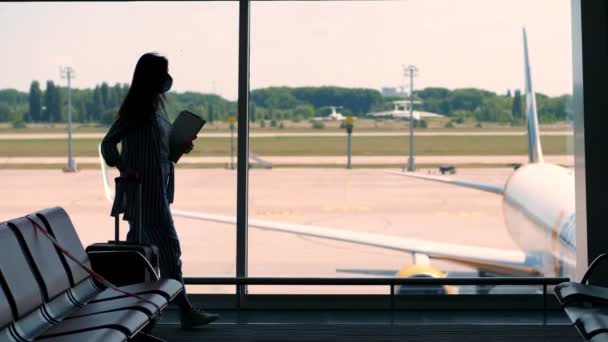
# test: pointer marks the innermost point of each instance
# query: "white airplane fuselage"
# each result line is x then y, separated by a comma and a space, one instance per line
539, 211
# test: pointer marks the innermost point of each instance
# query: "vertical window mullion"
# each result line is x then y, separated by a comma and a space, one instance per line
243, 144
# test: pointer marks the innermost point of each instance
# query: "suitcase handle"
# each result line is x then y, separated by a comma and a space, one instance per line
129, 180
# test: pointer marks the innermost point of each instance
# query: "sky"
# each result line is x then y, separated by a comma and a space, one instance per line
454, 43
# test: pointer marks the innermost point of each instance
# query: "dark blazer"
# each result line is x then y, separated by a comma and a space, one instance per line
140, 151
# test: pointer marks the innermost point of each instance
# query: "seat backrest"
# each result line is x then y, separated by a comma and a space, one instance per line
20, 280
58, 223
53, 275
7, 311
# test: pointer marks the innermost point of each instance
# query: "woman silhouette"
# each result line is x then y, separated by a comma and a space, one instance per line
142, 128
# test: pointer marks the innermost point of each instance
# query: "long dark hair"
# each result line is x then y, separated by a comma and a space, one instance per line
145, 95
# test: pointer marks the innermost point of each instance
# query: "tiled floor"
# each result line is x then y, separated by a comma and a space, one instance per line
322, 326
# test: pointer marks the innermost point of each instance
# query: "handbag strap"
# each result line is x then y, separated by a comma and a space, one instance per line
87, 269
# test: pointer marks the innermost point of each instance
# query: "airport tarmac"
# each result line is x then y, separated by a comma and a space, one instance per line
367, 200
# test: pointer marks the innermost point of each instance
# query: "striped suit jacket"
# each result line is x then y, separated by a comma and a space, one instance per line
140, 151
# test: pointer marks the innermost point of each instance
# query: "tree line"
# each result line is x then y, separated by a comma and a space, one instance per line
485, 106
274, 104
99, 104
50, 105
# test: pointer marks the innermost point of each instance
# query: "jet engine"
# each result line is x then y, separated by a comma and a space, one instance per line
423, 269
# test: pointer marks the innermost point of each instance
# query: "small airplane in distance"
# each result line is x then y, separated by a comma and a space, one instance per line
539, 214
401, 110
333, 116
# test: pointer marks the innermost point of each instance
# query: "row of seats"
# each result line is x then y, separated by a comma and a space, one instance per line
46, 296
586, 305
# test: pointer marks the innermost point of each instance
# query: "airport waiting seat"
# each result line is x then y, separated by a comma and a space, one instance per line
59, 225
48, 297
586, 305
572, 292
591, 323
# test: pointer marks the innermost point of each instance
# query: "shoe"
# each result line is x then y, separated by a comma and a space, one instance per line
194, 317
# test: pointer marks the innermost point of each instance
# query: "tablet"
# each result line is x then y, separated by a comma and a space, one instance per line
184, 130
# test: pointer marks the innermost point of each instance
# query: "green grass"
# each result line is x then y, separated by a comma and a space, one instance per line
60, 128
387, 146
317, 146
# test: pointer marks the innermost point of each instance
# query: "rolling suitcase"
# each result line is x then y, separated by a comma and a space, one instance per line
124, 262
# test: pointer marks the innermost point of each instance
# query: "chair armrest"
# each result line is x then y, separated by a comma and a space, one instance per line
592, 267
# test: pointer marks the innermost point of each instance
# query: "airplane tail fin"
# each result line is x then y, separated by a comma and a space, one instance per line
535, 151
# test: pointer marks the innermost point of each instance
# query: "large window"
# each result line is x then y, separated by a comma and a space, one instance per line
317, 67
337, 88
101, 42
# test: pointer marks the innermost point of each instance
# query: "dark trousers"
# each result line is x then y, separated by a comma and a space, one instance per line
165, 237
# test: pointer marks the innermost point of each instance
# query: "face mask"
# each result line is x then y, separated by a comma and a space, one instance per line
168, 84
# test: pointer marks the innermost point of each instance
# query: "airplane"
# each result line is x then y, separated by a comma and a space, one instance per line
334, 116
401, 110
538, 203
538, 200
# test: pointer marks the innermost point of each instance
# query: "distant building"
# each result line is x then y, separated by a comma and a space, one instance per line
392, 92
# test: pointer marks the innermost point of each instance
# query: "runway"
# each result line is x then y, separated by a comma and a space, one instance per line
366, 200
50, 136
357, 160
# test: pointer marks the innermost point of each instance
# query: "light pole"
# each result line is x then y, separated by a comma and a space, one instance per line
411, 71
68, 73
349, 140
232, 121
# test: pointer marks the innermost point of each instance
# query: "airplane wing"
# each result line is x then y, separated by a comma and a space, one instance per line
492, 260
496, 189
